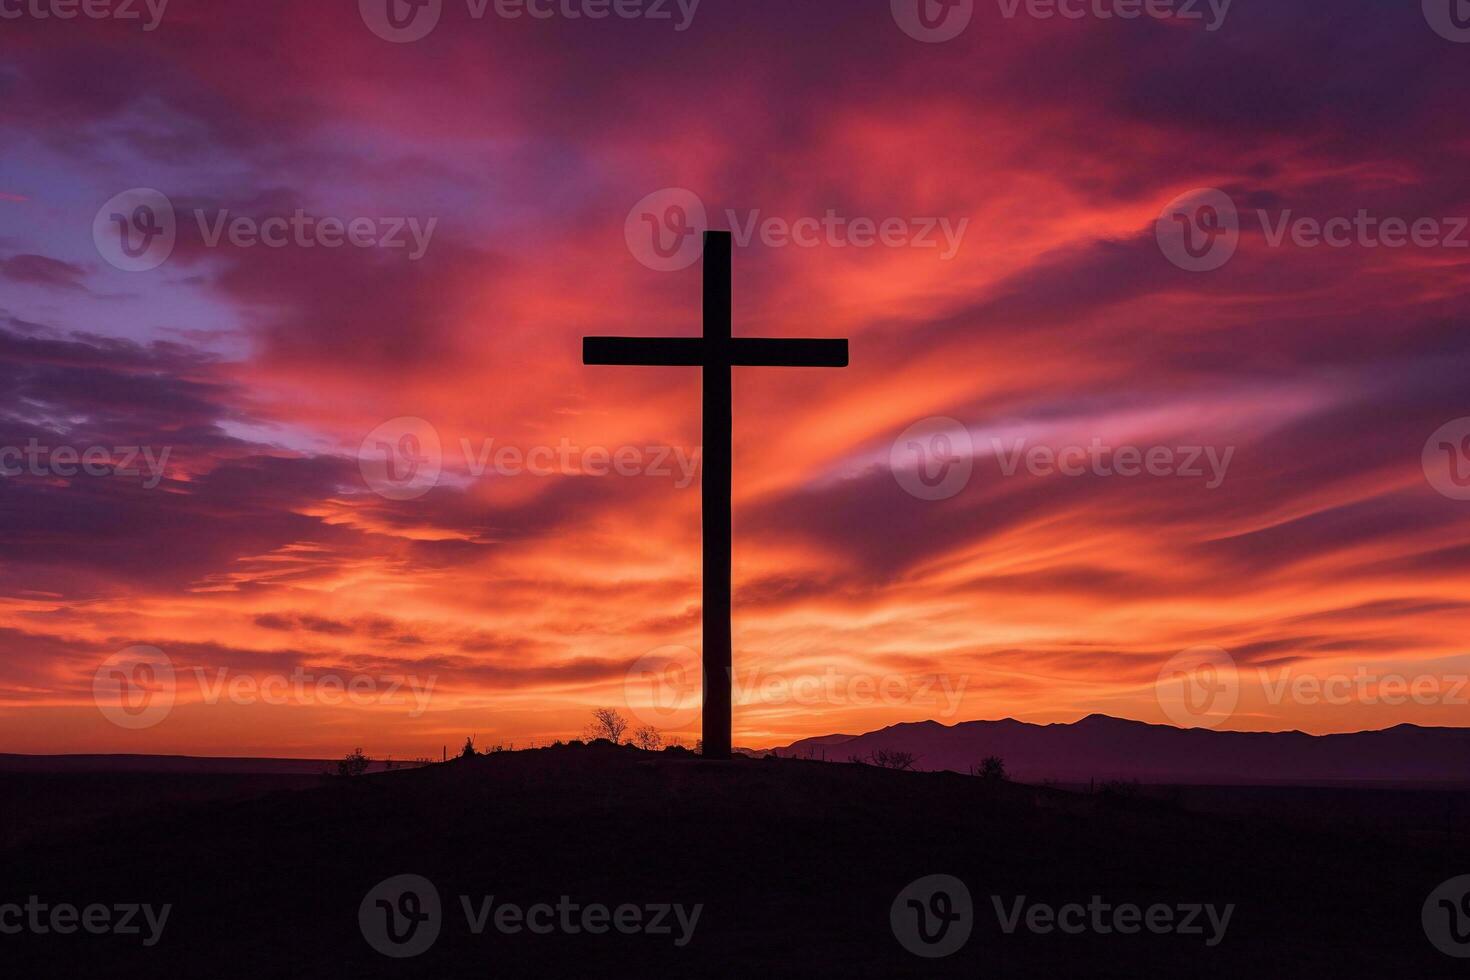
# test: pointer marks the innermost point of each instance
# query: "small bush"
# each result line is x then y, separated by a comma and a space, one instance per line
992, 770
894, 759
353, 764
648, 739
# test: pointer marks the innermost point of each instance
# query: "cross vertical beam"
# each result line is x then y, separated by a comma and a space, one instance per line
715, 495
717, 353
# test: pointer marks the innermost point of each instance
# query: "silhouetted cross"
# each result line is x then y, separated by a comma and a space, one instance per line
716, 352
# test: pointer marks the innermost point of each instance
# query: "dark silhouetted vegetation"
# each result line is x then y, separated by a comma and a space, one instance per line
894, 759
992, 769
607, 723
353, 764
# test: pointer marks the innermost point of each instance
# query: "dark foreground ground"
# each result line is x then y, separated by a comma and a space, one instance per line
796, 866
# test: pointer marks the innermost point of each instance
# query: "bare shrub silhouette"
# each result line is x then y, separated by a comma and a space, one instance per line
607, 723
648, 739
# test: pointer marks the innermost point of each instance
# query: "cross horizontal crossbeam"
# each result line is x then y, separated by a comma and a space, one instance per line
701, 352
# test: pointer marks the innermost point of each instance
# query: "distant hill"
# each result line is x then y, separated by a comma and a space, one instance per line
1100, 747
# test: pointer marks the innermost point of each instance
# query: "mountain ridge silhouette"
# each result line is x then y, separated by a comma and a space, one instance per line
1103, 747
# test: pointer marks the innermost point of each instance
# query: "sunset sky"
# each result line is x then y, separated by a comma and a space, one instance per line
528, 151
